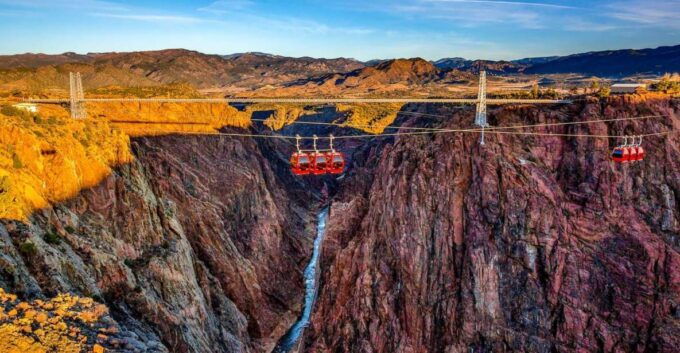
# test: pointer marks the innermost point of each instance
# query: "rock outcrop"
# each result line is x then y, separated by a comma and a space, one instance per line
528, 244
198, 245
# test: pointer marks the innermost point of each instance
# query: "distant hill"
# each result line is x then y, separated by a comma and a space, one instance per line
30, 60
247, 70
375, 62
610, 63
386, 76
614, 63
404, 71
535, 61
493, 67
452, 63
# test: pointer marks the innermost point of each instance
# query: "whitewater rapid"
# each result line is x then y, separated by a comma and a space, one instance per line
288, 341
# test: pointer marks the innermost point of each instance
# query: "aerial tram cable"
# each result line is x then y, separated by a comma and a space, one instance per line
526, 133
319, 162
475, 129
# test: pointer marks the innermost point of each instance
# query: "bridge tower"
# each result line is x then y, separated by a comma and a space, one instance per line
480, 117
76, 96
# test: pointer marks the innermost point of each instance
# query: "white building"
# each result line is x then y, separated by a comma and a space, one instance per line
29, 107
628, 87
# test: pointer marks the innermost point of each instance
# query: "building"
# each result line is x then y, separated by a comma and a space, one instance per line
29, 107
628, 87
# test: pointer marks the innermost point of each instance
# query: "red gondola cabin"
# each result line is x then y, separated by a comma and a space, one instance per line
620, 154
300, 163
319, 163
336, 163
640, 153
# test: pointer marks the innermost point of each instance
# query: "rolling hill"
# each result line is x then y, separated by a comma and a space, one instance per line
614, 62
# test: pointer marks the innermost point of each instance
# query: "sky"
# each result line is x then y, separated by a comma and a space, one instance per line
360, 29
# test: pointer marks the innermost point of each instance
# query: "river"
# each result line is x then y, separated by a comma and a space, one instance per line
290, 339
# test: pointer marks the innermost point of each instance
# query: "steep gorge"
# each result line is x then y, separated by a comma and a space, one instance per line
433, 243
528, 244
198, 245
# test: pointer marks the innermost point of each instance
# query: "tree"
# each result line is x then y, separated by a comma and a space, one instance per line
594, 86
668, 84
534, 91
604, 92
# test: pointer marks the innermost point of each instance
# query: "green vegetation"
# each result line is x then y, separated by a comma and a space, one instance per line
604, 92
669, 83
594, 86
372, 118
16, 161
52, 237
28, 248
173, 90
534, 93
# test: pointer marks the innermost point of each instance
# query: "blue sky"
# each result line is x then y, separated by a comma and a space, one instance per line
362, 29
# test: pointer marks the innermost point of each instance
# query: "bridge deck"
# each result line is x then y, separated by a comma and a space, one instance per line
308, 100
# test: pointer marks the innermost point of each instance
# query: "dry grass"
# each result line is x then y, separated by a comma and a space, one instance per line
49, 158
152, 119
372, 118
55, 325
283, 114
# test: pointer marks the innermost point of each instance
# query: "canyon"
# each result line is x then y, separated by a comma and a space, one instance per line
433, 243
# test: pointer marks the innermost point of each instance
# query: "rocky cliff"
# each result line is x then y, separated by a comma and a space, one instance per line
528, 244
197, 245
434, 244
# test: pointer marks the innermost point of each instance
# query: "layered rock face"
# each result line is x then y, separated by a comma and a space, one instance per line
198, 245
528, 244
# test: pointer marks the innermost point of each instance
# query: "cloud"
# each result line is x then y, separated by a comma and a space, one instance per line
17, 13
304, 25
67, 4
655, 13
578, 24
470, 14
227, 6
152, 18
239, 11
100, 8
510, 3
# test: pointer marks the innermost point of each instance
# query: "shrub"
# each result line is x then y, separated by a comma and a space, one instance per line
28, 248
604, 92
16, 162
668, 84
52, 238
69, 229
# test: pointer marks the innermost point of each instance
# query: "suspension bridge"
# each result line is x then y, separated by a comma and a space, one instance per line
77, 100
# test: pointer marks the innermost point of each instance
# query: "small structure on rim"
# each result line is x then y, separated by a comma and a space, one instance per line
628, 87
29, 107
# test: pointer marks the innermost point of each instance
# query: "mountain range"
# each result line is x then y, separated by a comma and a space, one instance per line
610, 63
254, 70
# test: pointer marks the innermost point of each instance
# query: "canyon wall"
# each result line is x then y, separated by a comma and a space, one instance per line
433, 244
527, 244
196, 245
